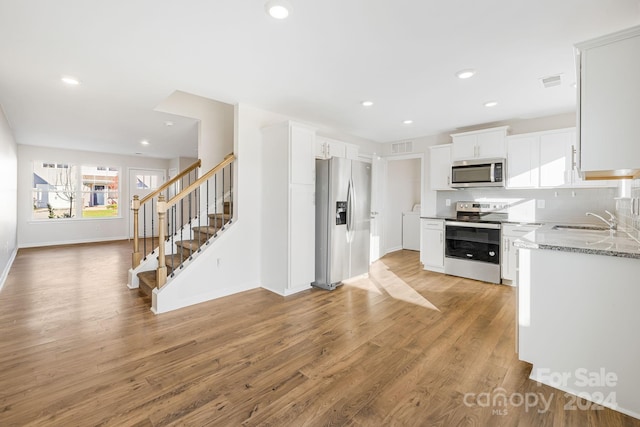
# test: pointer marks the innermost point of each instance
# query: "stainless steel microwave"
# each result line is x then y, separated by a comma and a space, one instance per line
478, 173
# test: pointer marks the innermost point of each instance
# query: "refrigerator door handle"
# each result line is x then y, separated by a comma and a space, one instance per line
350, 212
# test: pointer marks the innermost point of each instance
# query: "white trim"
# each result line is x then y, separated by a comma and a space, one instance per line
394, 249
5, 273
73, 242
216, 293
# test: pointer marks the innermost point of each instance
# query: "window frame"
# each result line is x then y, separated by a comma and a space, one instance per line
79, 191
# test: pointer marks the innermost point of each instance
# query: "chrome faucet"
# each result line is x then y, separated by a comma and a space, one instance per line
612, 222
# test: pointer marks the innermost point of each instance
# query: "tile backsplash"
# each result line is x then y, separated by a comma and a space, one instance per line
628, 209
539, 205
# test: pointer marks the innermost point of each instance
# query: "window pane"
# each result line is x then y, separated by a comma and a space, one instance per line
54, 190
52, 205
100, 191
147, 182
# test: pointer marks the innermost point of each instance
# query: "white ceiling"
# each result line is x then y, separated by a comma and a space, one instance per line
316, 66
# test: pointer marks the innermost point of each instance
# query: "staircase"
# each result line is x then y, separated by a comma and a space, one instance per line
186, 224
185, 249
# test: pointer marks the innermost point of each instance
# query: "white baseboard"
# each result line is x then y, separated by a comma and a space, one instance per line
7, 267
72, 242
393, 249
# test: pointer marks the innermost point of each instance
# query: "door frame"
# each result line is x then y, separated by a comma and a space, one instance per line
383, 189
129, 224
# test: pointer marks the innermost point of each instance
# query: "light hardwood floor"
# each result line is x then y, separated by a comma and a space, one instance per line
403, 347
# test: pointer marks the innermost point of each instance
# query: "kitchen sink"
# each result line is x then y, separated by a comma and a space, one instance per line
580, 227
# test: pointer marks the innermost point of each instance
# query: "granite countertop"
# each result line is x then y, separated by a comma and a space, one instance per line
582, 240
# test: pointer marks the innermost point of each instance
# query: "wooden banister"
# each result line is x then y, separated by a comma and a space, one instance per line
136, 203
184, 193
170, 182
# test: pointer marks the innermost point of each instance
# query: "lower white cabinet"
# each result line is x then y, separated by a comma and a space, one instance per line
432, 244
510, 233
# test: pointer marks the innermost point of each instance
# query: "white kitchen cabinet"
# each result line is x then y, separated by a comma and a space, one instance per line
325, 148
609, 105
352, 151
523, 161
432, 244
557, 158
545, 159
440, 167
510, 233
288, 201
480, 144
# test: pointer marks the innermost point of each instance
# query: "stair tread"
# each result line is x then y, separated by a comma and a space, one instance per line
225, 215
188, 244
147, 281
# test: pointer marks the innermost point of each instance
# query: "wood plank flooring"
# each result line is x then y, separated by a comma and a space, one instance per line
402, 347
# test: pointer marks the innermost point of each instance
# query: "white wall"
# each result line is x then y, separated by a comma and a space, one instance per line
232, 264
402, 192
215, 129
61, 231
8, 193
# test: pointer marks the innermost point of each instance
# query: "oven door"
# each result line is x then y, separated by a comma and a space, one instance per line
473, 241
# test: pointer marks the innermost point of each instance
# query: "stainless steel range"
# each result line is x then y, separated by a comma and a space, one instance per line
472, 241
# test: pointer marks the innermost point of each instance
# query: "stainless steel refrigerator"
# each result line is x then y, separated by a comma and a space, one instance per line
343, 217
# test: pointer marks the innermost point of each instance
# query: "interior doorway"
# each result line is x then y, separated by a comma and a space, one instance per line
403, 195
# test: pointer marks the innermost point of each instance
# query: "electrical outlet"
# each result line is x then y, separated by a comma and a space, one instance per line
447, 202
541, 204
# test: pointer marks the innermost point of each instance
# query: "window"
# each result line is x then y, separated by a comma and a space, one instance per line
71, 191
99, 192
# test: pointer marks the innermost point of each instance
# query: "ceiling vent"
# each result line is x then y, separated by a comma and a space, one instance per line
551, 81
402, 147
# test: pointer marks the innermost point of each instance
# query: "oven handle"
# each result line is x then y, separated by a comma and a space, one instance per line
472, 224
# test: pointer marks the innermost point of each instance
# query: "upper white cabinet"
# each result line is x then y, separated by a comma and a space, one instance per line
609, 104
523, 161
440, 167
480, 144
325, 148
545, 160
302, 164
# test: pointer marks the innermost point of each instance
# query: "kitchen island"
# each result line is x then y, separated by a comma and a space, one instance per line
578, 317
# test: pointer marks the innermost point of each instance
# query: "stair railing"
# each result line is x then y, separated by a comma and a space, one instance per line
148, 205
212, 193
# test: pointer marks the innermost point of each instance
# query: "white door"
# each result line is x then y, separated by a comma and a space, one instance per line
377, 194
141, 183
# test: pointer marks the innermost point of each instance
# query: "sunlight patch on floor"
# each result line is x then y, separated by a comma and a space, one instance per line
364, 283
384, 279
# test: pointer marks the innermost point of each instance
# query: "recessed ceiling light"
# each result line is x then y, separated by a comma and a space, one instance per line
465, 74
278, 9
367, 103
71, 81
407, 122
144, 142
168, 123
491, 103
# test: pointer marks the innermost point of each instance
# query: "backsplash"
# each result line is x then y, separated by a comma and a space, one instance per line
553, 205
628, 220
